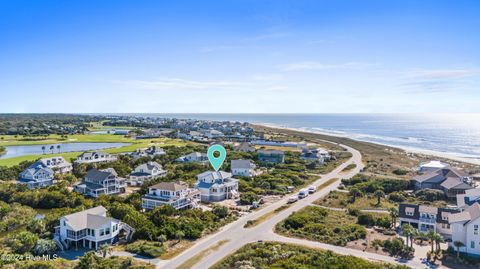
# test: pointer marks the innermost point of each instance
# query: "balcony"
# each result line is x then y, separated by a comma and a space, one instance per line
428, 220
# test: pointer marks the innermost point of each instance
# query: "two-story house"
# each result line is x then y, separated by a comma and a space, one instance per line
36, 176
271, 156
151, 152
193, 157
466, 229
315, 155
426, 218
146, 171
98, 182
215, 186
451, 181
176, 194
95, 157
90, 228
57, 164
243, 168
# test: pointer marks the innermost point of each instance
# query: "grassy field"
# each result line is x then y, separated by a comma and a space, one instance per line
90, 138
194, 259
338, 199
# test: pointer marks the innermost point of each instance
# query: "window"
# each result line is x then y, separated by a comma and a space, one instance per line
102, 232
409, 213
472, 244
475, 229
107, 230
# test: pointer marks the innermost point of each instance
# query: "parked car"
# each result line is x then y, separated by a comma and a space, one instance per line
292, 199
290, 189
312, 189
303, 193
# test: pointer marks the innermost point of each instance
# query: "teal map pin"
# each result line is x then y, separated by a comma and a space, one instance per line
216, 161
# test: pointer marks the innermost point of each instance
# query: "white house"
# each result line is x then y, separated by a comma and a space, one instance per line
217, 186
95, 157
176, 194
466, 229
148, 152
37, 176
243, 168
98, 182
146, 171
315, 155
193, 157
432, 166
57, 164
90, 228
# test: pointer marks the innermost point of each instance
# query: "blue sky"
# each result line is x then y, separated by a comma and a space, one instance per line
240, 56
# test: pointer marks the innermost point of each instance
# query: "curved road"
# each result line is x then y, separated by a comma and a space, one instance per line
238, 236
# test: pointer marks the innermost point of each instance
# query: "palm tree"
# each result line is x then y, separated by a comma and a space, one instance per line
58, 148
162, 239
105, 249
179, 235
431, 235
52, 148
438, 239
458, 245
394, 215
407, 231
354, 193
422, 236
379, 194
43, 148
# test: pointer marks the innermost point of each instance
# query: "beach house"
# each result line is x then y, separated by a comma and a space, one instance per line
151, 152
56, 163
244, 147
315, 155
271, 156
176, 194
98, 182
450, 180
432, 166
193, 157
89, 228
36, 176
426, 218
144, 172
215, 186
466, 229
95, 157
243, 168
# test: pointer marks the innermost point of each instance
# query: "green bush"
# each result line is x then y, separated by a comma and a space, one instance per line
146, 248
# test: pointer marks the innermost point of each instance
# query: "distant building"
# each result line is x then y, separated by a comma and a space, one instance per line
193, 157
467, 199
148, 152
37, 176
90, 228
244, 147
95, 157
242, 168
449, 180
315, 155
216, 186
426, 218
176, 194
57, 164
146, 171
98, 182
271, 156
211, 134
432, 166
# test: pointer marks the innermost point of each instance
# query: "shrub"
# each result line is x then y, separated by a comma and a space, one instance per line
146, 248
397, 196
430, 195
400, 172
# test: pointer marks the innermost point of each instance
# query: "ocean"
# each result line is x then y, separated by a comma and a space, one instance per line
455, 134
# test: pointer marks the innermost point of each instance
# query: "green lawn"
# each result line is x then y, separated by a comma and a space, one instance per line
135, 144
342, 200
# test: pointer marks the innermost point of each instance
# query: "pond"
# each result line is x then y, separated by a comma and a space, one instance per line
17, 151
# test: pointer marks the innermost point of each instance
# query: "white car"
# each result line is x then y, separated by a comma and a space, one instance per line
292, 199
312, 189
303, 193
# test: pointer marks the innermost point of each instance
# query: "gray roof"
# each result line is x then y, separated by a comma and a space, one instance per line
149, 166
91, 218
440, 175
471, 213
170, 186
241, 164
32, 170
100, 175
91, 153
271, 152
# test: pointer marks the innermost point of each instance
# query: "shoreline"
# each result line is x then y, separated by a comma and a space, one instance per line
426, 152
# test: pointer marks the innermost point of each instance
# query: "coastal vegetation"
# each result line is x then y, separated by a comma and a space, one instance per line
323, 225
280, 255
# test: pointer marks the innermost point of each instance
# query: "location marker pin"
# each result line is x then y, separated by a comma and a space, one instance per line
216, 161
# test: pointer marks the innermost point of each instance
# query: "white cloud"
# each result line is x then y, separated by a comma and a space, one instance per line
443, 73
